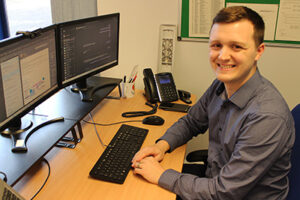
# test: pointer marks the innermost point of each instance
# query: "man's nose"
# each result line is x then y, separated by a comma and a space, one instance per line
225, 53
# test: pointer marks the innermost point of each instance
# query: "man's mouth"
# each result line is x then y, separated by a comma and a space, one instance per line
226, 66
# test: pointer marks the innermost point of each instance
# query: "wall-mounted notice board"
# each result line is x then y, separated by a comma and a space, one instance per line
281, 17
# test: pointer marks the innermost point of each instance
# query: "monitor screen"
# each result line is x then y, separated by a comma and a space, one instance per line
28, 74
88, 46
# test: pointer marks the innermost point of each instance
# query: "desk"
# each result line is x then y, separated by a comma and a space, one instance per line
70, 168
63, 104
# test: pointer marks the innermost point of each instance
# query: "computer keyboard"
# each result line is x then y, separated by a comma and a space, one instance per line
115, 162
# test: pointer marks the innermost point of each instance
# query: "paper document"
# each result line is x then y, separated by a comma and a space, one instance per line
288, 27
201, 14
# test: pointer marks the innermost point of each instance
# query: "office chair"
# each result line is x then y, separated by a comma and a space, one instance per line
294, 175
198, 155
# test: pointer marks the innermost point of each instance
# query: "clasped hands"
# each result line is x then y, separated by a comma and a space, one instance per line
146, 161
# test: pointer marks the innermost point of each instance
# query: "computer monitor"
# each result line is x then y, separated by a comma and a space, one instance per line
28, 76
87, 47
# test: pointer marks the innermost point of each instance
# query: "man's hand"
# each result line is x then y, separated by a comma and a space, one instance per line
149, 168
146, 161
157, 151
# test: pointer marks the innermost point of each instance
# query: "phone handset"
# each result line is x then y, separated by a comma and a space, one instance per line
150, 86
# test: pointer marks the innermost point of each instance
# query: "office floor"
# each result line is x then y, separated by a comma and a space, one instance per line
28, 15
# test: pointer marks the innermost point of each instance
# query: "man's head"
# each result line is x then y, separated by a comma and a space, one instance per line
236, 44
238, 13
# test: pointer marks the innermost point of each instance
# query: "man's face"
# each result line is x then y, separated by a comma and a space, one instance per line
233, 53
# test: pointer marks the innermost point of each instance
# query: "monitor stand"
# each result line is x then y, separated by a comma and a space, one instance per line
21, 129
86, 91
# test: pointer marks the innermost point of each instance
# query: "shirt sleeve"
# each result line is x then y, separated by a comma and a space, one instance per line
261, 141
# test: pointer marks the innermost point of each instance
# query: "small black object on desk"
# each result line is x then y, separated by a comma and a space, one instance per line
153, 120
184, 96
174, 107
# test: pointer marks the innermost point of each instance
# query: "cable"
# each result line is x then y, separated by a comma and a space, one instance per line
141, 113
97, 131
35, 114
46, 161
4, 176
121, 122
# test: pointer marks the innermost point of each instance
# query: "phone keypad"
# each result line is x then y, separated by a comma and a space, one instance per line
169, 93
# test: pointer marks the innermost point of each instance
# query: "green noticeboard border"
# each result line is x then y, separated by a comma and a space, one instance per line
185, 19
184, 24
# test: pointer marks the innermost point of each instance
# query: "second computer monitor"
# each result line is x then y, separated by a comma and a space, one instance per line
87, 47
28, 74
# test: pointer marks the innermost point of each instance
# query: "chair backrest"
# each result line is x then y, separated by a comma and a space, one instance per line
294, 175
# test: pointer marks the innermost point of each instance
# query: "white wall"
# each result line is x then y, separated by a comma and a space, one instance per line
281, 66
139, 32
139, 35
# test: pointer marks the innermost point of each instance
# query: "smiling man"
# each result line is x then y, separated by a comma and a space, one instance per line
234, 53
251, 130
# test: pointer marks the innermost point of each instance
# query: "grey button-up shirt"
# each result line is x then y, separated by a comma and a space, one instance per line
250, 139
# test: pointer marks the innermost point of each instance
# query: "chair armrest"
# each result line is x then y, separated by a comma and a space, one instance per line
199, 155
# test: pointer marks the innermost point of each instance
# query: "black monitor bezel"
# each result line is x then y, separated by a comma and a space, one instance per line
96, 70
47, 94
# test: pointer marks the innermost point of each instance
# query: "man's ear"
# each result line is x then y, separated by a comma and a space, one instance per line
260, 51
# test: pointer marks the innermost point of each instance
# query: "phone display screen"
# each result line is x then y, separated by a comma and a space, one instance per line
164, 79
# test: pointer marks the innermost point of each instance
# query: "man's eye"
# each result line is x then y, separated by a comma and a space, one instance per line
237, 47
216, 46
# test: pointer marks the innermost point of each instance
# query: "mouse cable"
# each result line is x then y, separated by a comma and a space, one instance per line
46, 161
99, 138
121, 122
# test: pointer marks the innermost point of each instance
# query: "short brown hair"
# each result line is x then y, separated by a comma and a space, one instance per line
237, 13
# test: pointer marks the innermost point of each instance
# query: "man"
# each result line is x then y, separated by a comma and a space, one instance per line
251, 128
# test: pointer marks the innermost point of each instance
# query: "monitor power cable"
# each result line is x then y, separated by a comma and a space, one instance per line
46, 161
49, 171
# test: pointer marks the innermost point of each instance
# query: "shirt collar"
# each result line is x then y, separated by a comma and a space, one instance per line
242, 96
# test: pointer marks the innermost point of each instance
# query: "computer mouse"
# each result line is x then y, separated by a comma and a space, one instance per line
153, 120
